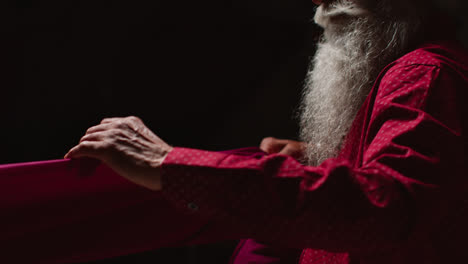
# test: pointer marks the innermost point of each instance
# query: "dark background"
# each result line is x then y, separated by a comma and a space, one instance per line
204, 74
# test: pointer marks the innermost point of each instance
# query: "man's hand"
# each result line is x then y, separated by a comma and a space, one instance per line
128, 147
283, 146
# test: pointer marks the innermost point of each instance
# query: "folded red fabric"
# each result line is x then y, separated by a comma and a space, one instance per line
68, 211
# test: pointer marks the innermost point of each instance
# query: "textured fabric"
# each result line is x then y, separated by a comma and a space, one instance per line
395, 194
69, 211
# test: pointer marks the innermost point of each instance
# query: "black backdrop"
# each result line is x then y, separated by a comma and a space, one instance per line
204, 74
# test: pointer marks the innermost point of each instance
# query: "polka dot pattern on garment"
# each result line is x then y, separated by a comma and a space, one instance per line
357, 202
313, 256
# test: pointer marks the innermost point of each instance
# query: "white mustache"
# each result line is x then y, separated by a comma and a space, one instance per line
335, 10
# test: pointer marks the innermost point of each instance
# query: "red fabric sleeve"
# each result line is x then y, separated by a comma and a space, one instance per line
408, 154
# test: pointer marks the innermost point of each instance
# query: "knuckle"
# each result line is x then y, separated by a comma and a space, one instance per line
85, 145
89, 146
136, 121
122, 124
133, 118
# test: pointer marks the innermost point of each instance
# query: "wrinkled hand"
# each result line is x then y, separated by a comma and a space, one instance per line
128, 147
283, 146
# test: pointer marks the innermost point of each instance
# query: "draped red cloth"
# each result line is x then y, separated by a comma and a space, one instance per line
68, 211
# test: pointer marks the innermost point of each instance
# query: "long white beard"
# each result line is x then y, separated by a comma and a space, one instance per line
355, 47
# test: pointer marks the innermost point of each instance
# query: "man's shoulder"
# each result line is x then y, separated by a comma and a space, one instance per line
419, 69
439, 54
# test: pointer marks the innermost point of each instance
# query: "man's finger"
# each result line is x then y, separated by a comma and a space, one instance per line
87, 149
100, 127
273, 145
294, 149
111, 120
130, 119
96, 136
266, 143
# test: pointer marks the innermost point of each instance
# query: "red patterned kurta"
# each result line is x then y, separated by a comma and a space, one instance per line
395, 194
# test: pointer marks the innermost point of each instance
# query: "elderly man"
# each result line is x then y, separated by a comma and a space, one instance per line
382, 176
